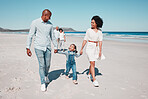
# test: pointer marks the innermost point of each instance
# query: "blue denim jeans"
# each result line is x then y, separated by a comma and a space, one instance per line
71, 64
68, 67
44, 58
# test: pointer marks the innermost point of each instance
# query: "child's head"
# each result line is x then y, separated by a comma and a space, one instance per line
73, 47
61, 30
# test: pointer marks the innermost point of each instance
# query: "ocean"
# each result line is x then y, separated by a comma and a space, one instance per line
137, 37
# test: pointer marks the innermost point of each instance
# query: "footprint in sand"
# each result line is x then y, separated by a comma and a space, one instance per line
13, 89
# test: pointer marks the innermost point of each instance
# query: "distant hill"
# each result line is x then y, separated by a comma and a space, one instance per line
27, 30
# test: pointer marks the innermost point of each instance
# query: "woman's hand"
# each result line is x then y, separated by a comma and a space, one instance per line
81, 52
100, 54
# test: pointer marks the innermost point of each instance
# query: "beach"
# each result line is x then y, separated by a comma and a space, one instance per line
122, 75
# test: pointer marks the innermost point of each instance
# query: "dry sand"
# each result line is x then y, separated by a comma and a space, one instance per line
123, 75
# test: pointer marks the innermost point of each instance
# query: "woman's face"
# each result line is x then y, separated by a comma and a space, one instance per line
71, 48
93, 24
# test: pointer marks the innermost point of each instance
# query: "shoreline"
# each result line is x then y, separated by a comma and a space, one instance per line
126, 40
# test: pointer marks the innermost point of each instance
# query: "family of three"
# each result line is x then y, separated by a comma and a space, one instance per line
44, 34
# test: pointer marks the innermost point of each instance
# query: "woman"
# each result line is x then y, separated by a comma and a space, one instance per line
93, 37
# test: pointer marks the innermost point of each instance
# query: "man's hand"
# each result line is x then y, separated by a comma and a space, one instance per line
55, 51
29, 52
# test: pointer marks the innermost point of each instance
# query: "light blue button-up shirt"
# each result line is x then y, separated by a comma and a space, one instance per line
43, 32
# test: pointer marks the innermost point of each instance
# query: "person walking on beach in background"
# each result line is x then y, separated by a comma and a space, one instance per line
42, 29
70, 62
62, 39
57, 34
93, 36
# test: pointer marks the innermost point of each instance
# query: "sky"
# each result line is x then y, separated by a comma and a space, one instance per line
117, 15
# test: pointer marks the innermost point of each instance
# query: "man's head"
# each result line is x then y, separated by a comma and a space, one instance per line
46, 14
57, 28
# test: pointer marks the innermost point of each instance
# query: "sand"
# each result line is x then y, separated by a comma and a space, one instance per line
123, 75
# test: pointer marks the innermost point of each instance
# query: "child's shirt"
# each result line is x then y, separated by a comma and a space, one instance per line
62, 36
70, 56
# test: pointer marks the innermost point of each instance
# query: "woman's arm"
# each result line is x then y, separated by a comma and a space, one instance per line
83, 44
100, 46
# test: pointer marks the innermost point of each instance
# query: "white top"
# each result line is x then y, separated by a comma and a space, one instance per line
57, 34
93, 36
62, 36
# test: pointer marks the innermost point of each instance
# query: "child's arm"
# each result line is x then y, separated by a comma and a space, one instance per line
61, 52
77, 55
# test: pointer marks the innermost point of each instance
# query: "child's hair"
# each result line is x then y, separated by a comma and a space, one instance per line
75, 48
98, 21
61, 29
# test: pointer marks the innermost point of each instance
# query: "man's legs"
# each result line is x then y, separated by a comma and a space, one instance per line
58, 40
40, 57
47, 61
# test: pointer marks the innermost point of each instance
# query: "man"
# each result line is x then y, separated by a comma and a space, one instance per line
42, 29
57, 34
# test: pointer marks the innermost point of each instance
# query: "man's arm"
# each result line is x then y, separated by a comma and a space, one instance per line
54, 41
32, 31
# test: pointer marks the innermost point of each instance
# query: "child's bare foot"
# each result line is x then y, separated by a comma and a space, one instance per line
67, 77
75, 82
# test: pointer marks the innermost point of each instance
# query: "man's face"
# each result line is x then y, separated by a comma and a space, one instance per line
46, 17
57, 28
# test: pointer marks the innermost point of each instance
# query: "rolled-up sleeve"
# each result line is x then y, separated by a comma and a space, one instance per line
53, 38
32, 31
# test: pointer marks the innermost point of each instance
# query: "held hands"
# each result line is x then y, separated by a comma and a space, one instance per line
29, 52
55, 51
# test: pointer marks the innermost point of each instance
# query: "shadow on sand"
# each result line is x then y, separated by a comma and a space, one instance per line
53, 75
97, 73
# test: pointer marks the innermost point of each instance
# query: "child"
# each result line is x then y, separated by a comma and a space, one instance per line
62, 39
70, 62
